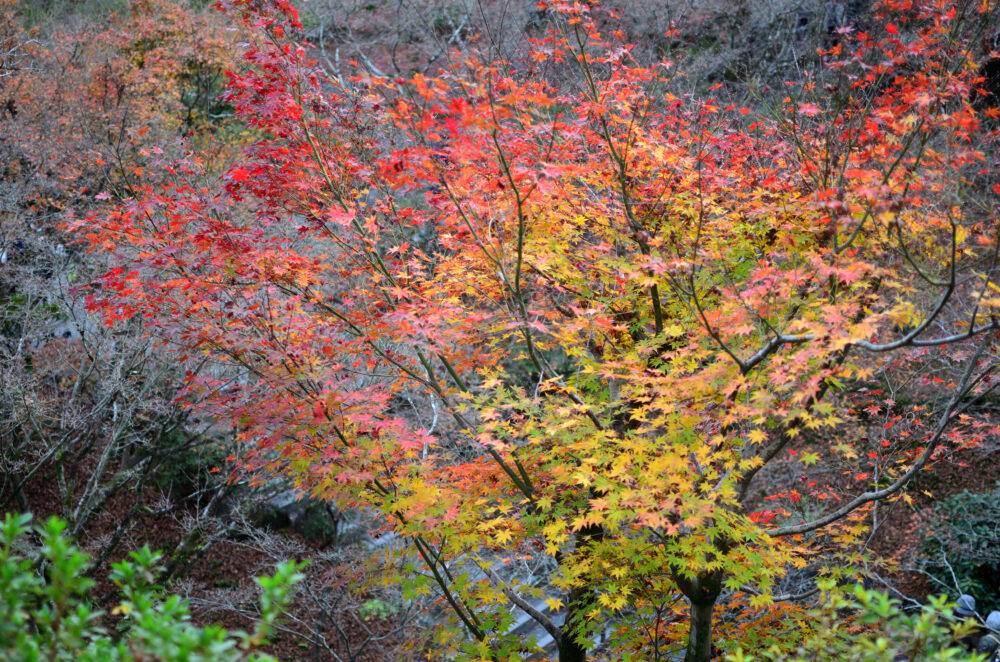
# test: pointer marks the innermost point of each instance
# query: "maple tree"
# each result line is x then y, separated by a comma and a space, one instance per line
635, 305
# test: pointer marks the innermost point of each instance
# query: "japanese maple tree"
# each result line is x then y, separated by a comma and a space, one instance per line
632, 303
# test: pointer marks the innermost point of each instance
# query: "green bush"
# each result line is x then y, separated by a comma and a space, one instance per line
860, 625
45, 613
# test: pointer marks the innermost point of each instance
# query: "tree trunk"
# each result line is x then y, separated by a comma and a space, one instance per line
702, 591
578, 601
700, 633
569, 650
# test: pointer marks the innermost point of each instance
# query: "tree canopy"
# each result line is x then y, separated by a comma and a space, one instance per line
632, 304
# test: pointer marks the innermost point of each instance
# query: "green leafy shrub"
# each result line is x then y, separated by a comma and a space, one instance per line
45, 613
861, 625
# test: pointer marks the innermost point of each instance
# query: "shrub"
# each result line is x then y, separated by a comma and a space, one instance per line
46, 613
861, 625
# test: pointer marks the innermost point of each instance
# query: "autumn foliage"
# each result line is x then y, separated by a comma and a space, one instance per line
634, 308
